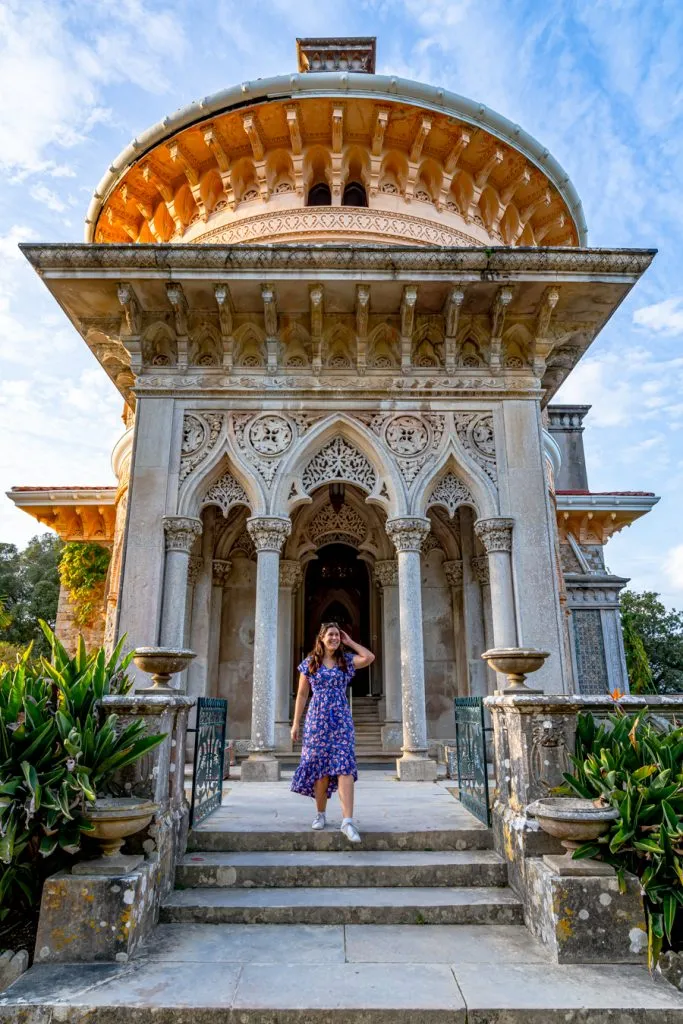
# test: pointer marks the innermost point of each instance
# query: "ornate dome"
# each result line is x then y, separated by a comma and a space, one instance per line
334, 157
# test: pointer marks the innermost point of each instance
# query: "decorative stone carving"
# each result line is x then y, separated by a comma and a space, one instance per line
269, 533
194, 568
200, 434
339, 460
386, 573
476, 435
495, 534
451, 493
244, 545
453, 572
221, 569
226, 493
406, 435
344, 526
180, 532
270, 435
291, 574
549, 750
480, 569
408, 532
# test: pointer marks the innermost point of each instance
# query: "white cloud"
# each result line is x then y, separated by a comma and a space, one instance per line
664, 317
673, 568
43, 194
55, 60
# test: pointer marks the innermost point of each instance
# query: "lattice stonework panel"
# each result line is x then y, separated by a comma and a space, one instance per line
339, 460
589, 647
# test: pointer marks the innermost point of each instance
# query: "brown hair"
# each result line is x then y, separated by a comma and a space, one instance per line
315, 658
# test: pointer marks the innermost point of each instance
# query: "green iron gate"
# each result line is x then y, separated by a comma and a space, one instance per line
470, 744
209, 757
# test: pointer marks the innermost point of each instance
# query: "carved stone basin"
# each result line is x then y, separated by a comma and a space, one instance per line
516, 663
573, 821
162, 663
113, 820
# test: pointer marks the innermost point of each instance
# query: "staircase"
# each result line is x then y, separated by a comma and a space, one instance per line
314, 878
367, 728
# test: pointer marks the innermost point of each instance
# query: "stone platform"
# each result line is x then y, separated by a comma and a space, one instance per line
271, 923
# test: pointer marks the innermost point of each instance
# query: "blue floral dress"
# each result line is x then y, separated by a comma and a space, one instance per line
328, 738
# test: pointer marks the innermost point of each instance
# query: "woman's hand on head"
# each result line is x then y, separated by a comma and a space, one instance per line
345, 638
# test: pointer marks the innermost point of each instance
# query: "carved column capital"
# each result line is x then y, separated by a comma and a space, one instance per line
495, 533
194, 568
180, 532
453, 572
386, 573
480, 569
291, 574
269, 533
408, 532
220, 571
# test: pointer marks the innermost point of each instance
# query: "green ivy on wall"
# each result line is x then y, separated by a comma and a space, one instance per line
83, 569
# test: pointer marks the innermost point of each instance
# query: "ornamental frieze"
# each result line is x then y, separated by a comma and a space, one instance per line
200, 435
476, 435
411, 439
263, 440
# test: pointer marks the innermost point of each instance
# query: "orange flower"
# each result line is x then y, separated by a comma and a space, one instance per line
616, 695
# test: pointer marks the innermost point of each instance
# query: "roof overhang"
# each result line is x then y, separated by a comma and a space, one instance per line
594, 518
74, 513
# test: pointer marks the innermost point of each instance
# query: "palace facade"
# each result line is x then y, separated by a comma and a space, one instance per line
337, 307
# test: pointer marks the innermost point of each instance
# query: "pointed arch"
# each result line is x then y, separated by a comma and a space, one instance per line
516, 346
427, 346
206, 347
338, 346
373, 472
483, 496
250, 346
159, 346
384, 344
221, 461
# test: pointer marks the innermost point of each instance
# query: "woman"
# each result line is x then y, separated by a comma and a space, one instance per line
328, 759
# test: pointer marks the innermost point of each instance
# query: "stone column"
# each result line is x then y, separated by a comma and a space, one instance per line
180, 532
291, 577
496, 536
219, 577
269, 534
480, 571
473, 606
386, 579
200, 628
407, 535
454, 574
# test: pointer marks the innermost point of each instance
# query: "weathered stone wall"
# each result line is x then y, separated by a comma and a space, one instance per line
439, 647
68, 632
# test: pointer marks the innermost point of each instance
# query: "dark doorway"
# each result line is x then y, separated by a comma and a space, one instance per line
319, 195
338, 590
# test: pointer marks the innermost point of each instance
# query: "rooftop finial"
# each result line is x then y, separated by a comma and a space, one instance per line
356, 54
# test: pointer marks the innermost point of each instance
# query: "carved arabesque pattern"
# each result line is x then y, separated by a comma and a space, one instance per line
226, 493
347, 523
411, 439
339, 460
200, 434
476, 435
263, 440
450, 493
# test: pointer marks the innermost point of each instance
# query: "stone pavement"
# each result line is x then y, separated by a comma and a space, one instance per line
368, 958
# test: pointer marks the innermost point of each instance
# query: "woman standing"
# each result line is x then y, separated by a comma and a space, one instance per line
328, 759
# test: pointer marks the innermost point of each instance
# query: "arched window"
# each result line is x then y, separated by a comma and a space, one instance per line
354, 195
319, 195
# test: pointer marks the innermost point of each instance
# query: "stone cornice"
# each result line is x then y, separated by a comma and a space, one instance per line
488, 264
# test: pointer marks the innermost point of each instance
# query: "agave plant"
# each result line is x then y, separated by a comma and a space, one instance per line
636, 765
56, 755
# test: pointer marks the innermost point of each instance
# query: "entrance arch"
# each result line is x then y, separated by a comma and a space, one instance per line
337, 589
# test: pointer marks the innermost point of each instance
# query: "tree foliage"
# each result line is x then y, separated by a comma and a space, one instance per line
653, 640
29, 591
83, 570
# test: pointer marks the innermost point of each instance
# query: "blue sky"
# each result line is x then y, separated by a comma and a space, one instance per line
598, 83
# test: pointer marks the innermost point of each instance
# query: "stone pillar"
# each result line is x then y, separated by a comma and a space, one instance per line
200, 629
496, 536
269, 534
454, 574
220, 572
480, 570
407, 535
180, 532
291, 578
386, 579
473, 609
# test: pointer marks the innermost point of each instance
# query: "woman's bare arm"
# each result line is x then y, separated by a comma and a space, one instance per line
301, 698
363, 657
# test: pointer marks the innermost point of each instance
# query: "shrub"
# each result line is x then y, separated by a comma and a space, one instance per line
56, 754
636, 765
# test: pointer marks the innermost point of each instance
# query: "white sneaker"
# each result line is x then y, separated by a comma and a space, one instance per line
319, 821
350, 831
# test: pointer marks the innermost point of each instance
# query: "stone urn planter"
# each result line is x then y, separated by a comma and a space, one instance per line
516, 663
115, 819
573, 821
162, 663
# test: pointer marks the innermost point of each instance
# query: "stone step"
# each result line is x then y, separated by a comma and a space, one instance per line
344, 869
396, 906
208, 840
